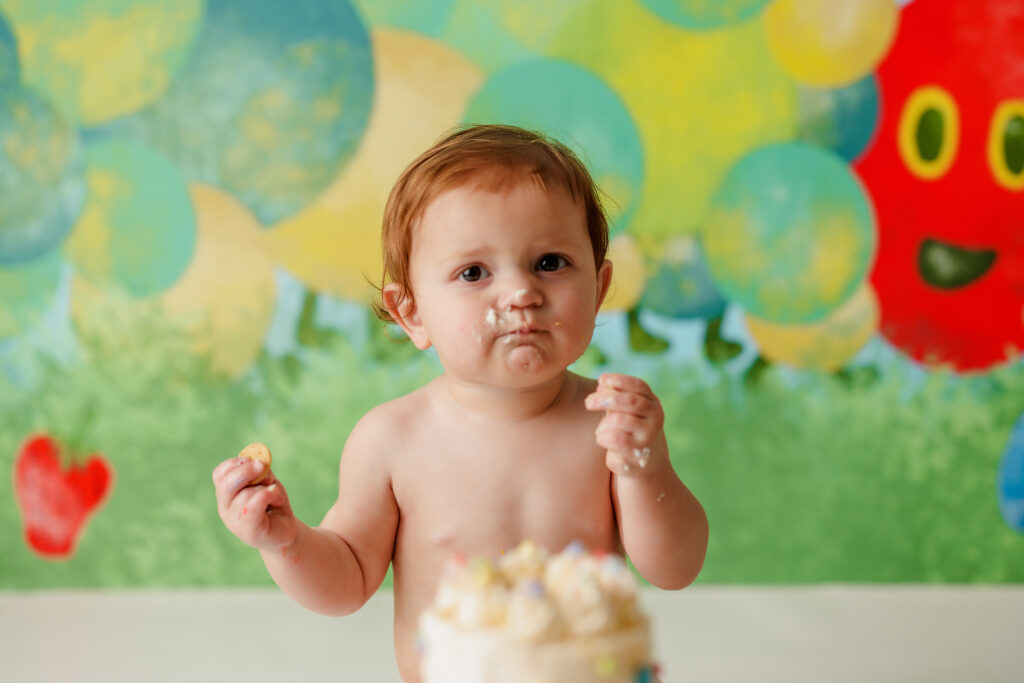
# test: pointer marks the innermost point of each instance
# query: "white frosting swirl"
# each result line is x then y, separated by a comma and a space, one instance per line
537, 597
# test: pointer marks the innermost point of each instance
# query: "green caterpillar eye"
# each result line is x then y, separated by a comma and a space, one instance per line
1006, 145
929, 132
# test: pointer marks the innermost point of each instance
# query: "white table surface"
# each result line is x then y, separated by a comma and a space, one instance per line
862, 634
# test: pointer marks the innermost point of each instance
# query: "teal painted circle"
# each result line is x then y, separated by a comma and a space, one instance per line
790, 234
577, 108
701, 15
271, 105
27, 291
145, 211
426, 17
682, 287
9, 70
41, 182
842, 120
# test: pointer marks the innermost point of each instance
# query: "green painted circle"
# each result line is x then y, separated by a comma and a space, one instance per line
790, 233
701, 15
138, 228
579, 109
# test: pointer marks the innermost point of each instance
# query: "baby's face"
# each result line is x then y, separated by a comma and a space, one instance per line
504, 283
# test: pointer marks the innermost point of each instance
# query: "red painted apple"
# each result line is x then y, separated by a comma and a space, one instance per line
55, 500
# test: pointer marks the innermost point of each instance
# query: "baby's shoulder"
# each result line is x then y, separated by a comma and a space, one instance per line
392, 422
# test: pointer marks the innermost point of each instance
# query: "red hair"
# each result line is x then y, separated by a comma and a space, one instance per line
492, 155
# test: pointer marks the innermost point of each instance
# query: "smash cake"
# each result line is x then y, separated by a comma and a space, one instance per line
532, 617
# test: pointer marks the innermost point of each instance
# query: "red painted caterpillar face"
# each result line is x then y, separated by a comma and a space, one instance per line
946, 173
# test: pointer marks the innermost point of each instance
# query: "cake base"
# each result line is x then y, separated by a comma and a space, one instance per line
455, 655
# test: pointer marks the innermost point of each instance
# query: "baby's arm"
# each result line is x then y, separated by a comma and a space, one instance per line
334, 568
663, 526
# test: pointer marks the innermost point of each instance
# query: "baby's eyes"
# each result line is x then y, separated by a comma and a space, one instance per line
551, 262
472, 274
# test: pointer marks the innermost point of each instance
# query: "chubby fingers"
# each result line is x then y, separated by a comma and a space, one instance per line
624, 394
235, 474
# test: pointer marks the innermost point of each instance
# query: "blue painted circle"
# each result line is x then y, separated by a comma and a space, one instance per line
682, 287
42, 187
843, 120
9, 69
1010, 479
271, 104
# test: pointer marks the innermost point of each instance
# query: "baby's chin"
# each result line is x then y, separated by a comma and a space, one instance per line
526, 359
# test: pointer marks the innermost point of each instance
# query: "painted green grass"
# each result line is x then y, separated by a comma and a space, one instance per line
802, 483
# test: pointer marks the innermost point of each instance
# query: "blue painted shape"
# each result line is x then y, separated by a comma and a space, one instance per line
644, 675
42, 180
9, 69
682, 286
1010, 479
842, 119
271, 104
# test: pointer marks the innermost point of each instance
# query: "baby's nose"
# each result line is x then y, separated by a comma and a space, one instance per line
520, 295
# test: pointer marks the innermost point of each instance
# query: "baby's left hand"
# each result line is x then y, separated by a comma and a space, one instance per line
632, 428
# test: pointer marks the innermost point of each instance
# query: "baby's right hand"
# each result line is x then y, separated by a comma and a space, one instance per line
260, 514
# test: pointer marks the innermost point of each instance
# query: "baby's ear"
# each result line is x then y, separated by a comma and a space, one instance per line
400, 304
604, 281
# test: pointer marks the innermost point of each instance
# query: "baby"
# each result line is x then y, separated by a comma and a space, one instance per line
494, 255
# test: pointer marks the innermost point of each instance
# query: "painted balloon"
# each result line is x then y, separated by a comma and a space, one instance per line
577, 108
1010, 479
682, 286
426, 17
629, 274
271, 104
26, 292
830, 42
333, 246
9, 69
42, 186
701, 99
842, 119
224, 301
946, 173
102, 59
790, 234
131, 186
825, 345
700, 15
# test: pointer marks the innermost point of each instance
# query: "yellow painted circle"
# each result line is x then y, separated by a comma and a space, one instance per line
333, 246
929, 101
823, 345
224, 301
997, 161
102, 59
830, 43
629, 274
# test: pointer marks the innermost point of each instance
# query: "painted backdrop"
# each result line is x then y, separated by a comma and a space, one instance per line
817, 227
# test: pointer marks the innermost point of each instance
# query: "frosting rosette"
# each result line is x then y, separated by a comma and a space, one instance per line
535, 596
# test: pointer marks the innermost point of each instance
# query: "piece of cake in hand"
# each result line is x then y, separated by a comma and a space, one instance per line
531, 617
257, 451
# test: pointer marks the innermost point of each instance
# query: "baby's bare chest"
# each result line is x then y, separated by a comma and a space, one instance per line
483, 493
